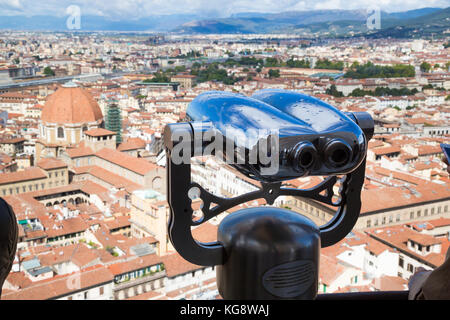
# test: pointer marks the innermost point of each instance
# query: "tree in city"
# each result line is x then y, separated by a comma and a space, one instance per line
274, 73
49, 72
425, 66
333, 91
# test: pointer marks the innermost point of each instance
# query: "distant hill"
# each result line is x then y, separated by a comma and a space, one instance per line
269, 23
342, 23
312, 23
435, 24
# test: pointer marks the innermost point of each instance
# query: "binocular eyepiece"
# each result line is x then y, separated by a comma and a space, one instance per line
336, 154
303, 156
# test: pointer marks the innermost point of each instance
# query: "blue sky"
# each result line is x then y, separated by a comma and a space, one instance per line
213, 8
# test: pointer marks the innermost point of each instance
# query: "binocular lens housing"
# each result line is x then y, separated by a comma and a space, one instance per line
303, 156
337, 153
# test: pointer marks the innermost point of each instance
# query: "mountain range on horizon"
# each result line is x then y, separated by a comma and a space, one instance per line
312, 22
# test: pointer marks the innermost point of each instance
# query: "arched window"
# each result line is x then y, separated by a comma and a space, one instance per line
60, 132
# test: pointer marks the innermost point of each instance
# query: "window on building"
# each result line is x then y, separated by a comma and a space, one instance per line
400, 262
411, 215
432, 211
102, 290
445, 208
368, 223
425, 212
397, 218
410, 268
60, 132
439, 210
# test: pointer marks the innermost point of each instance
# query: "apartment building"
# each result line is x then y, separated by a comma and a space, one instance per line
47, 174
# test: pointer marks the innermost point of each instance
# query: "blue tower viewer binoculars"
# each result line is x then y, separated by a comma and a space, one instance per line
272, 136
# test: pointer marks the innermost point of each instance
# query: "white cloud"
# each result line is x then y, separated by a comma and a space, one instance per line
133, 9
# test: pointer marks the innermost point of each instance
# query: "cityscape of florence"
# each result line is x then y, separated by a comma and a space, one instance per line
89, 93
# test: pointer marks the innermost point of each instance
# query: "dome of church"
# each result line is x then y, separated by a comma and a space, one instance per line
71, 104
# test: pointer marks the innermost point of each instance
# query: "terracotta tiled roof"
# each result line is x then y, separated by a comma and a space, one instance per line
386, 197
330, 269
109, 177
51, 163
398, 237
64, 227
175, 265
18, 280
62, 285
132, 144
135, 264
27, 174
79, 254
389, 283
80, 151
138, 165
99, 132
386, 150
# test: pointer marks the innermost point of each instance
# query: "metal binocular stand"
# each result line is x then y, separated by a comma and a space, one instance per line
269, 252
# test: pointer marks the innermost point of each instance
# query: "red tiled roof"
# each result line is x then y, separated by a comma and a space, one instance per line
51, 163
176, 265
27, 174
135, 264
62, 285
138, 165
99, 132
